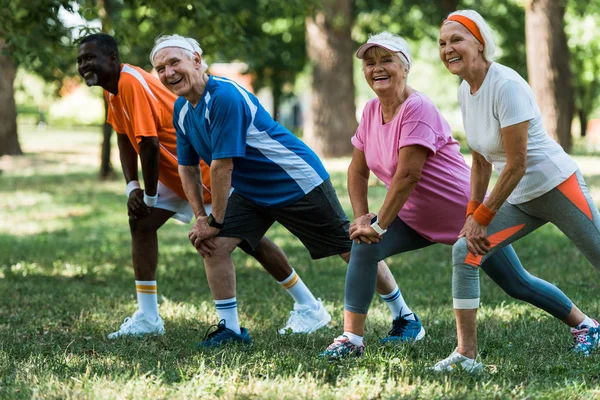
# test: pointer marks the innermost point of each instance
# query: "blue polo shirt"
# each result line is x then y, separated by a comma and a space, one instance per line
271, 166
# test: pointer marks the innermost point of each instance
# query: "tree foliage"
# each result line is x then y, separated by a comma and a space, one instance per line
583, 18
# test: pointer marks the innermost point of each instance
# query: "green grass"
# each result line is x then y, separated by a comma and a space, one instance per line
66, 281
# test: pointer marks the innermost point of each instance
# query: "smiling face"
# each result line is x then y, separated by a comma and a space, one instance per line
96, 67
459, 50
384, 71
179, 73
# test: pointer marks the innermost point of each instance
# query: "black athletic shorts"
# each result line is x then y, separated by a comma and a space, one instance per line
317, 219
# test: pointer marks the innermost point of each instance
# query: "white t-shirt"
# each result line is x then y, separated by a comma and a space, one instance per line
506, 99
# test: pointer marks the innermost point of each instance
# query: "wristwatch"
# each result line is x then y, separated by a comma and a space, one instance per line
213, 222
376, 227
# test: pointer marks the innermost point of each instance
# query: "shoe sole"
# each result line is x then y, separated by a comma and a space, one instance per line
135, 335
320, 324
420, 336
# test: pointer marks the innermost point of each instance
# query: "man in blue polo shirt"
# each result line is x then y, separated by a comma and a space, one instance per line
274, 176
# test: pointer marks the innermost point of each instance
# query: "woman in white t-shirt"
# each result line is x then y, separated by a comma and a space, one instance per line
538, 181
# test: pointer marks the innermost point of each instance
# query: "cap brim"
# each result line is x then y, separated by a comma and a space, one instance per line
362, 49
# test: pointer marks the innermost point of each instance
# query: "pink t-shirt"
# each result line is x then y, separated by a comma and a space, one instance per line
436, 208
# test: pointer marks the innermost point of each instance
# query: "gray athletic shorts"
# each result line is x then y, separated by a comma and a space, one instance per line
317, 219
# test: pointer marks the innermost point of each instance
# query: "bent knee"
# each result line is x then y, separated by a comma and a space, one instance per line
459, 251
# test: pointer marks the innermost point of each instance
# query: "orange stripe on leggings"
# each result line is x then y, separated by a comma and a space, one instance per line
572, 191
494, 239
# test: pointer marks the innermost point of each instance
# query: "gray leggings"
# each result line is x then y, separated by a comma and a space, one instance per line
569, 206
503, 267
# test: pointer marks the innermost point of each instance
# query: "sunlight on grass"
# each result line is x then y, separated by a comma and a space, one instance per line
66, 279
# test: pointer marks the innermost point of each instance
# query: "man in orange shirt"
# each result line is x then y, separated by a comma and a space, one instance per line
141, 112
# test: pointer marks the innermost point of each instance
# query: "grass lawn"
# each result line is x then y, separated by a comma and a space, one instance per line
66, 281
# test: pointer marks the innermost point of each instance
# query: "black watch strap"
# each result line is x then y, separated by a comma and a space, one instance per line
213, 222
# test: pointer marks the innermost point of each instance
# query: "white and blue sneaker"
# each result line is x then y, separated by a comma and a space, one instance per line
457, 361
304, 319
405, 330
139, 325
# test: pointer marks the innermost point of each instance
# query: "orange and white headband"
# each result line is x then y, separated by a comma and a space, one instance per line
467, 23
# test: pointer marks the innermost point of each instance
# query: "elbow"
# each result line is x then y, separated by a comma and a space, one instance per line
409, 177
224, 165
517, 167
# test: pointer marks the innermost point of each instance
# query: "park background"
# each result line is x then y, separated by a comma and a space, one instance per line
65, 265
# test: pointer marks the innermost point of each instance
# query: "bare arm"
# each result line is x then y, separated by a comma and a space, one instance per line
481, 171
150, 156
358, 183
411, 160
514, 141
220, 181
128, 157
191, 180
408, 173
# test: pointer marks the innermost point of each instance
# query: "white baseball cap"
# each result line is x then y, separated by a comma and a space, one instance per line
387, 44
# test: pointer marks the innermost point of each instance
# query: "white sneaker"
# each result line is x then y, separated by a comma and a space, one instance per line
304, 319
457, 360
139, 325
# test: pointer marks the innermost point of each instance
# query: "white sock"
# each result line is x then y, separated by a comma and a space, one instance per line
397, 305
587, 321
147, 298
299, 291
354, 339
227, 310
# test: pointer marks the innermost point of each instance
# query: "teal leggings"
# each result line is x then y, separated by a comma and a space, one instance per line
569, 206
503, 267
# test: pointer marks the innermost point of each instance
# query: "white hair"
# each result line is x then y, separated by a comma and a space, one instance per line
489, 47
192, 42
405, 56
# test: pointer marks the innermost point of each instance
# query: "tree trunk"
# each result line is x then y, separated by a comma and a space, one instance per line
106, 169
583, 122
548, 67
9, 139
331, 121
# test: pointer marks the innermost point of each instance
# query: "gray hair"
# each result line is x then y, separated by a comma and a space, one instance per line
192, 42
489, 47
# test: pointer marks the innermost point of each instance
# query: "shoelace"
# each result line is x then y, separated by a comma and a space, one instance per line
127, 322
220, 328
338, 341
295, 320
580, 336
399, 325
453, 358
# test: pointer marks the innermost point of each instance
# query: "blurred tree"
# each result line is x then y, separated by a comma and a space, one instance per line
332, 120
32, 37
418, 19
583, 19
277, 29
548, 66
267, 35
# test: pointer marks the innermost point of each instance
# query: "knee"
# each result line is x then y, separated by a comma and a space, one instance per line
223, 248
459, 251
364, 253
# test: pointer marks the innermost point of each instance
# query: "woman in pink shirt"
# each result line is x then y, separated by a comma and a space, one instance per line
405, 141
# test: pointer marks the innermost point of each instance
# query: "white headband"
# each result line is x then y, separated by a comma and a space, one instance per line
182, 44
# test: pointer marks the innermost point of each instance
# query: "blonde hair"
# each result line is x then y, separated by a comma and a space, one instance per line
489, 47
404, 56
193, 42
